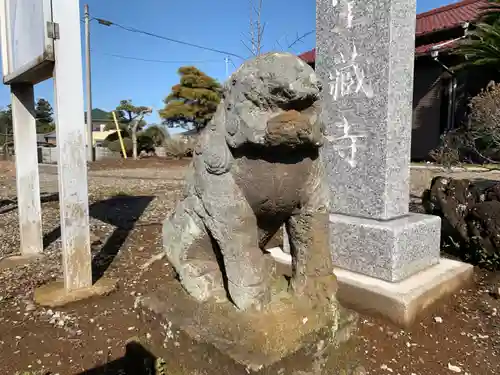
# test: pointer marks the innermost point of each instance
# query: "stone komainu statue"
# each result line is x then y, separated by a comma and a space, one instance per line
256, 166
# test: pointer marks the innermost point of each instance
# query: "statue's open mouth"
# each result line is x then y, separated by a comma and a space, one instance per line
294, 128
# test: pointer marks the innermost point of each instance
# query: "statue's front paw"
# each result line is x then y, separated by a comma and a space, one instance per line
317, 290
254, 297
203, 280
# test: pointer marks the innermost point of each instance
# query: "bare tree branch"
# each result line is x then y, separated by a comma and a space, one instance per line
252, 28
278, 42
261, 37
256, 31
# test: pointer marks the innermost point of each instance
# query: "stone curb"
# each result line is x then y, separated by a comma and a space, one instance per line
451, 169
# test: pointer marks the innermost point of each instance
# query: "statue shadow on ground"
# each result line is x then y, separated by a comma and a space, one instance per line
136, 361
122, 211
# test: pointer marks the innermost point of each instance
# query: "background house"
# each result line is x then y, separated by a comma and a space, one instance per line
100, 120
49, 138
440, 95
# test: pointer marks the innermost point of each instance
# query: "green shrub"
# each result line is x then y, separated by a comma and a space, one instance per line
180, 147
114, 137
115, 146
485, 121
157, 133
478, 141
450, 150
145, 143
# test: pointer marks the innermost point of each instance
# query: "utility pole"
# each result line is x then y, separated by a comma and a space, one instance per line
227, 66
90, 142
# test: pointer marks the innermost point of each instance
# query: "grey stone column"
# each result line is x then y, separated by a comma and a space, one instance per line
365, 58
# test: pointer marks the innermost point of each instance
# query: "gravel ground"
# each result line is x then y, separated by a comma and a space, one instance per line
462, 335
163, 183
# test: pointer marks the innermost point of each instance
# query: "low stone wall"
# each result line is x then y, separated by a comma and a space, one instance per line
47, 155
160, 152
103, 153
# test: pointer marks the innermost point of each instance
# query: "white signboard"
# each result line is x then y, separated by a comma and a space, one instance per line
27, 47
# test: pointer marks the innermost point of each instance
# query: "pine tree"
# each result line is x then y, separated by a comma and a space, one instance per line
134, 119
44, 119
193, 101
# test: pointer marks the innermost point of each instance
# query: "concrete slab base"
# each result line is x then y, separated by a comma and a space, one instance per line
403, 302
18, 260
54, 294
280, 256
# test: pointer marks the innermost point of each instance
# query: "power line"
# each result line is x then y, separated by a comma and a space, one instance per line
300, 38
138, 31
232, 62
157, 61
154, 60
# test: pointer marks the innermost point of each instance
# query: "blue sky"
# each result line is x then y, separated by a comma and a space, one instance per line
219, 24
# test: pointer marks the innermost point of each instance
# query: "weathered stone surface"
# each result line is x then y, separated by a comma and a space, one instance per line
451, 199
287, 337
364, 58
470, 218
256, 167
381, 249
483, 223
492, 193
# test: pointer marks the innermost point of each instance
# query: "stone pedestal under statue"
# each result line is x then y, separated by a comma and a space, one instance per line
286, 338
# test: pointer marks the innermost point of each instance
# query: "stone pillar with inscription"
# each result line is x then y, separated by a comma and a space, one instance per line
365, 58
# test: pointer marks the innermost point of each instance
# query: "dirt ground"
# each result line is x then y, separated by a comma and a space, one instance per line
152, 162
129, 200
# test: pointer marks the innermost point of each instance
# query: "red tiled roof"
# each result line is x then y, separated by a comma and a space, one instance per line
426, 48
309, 56
445, 17
448, 16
